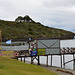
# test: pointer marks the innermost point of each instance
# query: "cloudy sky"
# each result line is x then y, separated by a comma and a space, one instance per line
52, 13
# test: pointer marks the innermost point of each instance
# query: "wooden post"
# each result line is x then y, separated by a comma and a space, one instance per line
21, 58
74, 62
51, 60
47, 61
64, 60
17, 58
24, 59
38, 60
61, 60
31, 60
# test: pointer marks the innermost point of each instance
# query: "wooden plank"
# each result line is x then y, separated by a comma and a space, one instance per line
69, 61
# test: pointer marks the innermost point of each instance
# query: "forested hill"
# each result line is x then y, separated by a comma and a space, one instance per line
22, 29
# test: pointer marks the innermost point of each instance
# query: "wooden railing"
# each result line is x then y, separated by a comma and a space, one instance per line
68, 50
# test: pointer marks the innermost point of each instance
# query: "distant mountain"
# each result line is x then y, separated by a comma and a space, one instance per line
25, 27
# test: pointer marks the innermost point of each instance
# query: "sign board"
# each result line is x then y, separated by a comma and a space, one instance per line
52, 46
42, 51
33, 53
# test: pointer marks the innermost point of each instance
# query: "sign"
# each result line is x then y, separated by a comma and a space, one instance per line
42, 51
33, 53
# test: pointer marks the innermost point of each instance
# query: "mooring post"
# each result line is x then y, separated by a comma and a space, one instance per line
31, 60
16, 58
61, 60
74, 61
51, 60
64, 60
21, 58
38, 60
47, 61
24, 59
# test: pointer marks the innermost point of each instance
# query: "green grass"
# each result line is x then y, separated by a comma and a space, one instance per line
7, 53
10, 66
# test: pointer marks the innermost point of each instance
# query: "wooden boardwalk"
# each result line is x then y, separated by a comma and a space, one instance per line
62, 58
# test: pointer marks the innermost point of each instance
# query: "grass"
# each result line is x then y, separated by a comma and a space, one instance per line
10, 66
8, 53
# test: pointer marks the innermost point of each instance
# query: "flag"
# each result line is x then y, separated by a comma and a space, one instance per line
8, 42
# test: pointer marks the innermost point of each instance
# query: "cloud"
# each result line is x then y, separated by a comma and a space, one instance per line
53, 13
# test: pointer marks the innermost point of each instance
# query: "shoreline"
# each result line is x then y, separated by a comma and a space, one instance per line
58, 70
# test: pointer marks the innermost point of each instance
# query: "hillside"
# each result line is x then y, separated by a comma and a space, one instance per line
22, 30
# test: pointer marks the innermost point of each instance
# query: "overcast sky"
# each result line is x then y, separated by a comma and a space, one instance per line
52, 13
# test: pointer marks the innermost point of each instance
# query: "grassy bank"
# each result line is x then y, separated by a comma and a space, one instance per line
10, 66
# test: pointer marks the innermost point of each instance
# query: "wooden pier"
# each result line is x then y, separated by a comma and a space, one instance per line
62, 58
48, 48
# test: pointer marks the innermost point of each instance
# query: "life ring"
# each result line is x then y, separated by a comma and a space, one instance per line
16, 54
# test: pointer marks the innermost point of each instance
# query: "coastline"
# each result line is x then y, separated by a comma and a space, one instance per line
58, 70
